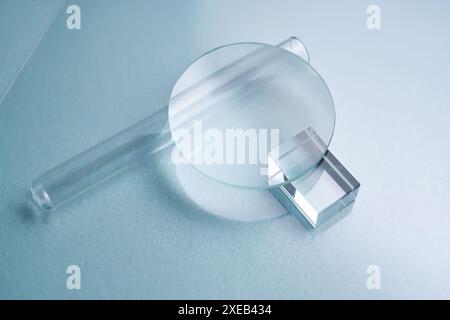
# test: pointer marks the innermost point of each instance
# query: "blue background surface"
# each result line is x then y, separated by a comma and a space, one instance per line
140, 236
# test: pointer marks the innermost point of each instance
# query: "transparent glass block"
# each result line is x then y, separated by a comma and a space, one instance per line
320, 194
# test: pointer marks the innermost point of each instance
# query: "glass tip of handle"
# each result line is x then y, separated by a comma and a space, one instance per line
41, 197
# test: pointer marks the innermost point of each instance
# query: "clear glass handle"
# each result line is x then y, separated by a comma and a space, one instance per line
106, 159
102, 161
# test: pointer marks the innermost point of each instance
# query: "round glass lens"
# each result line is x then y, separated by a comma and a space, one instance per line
251, 115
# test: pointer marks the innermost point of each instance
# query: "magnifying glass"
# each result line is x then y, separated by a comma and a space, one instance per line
249, 115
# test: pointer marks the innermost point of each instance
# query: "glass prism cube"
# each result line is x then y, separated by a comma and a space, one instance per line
320, 194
